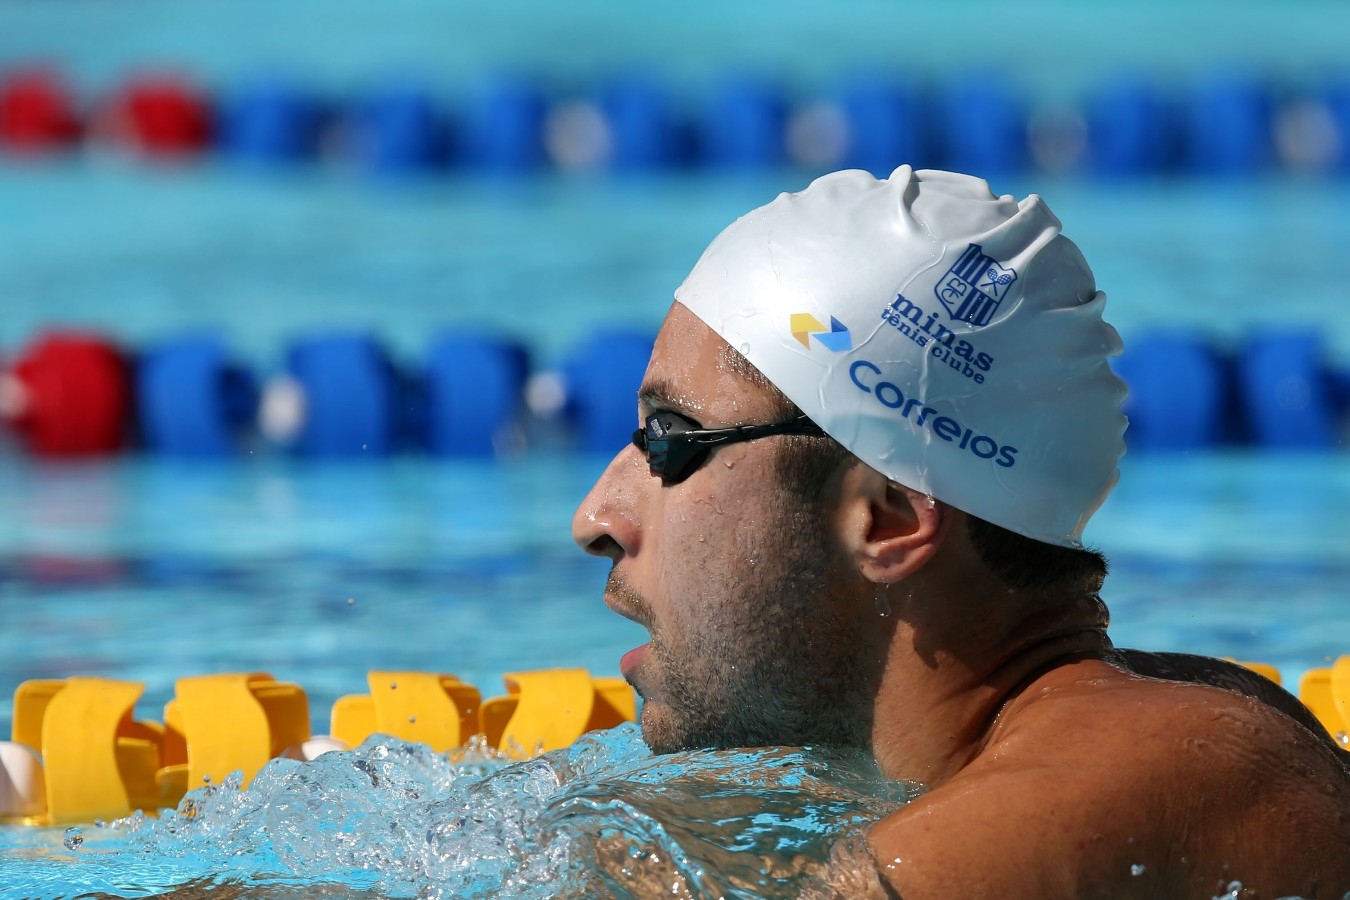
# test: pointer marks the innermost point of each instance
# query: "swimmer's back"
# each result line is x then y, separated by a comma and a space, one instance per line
1188, 667
1098, 781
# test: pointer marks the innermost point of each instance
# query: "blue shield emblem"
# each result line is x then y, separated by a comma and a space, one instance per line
974, 287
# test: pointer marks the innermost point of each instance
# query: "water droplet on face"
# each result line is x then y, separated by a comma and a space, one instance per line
883, 600
74, 838
744, 349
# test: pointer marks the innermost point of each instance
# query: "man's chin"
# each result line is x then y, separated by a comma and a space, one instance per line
661, 729
664, 730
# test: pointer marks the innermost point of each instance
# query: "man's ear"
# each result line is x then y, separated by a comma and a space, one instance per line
897, 530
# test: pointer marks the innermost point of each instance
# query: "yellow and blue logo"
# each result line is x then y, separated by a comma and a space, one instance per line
805, 326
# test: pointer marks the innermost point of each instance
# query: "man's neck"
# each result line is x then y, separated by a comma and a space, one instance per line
943, 690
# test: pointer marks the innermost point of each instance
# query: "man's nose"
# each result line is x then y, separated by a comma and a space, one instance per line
607, 523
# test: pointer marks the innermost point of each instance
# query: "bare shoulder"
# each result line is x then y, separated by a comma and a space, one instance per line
1098, 782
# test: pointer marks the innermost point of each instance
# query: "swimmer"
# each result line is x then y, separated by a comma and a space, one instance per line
875, 422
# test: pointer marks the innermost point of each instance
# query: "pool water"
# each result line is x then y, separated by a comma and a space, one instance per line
150, 569
316, 573
600, 818
546, 260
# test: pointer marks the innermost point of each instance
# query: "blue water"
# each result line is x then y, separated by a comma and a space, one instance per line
148, 569
1054, 47
315, 573
600, 818
145, 570
261, 259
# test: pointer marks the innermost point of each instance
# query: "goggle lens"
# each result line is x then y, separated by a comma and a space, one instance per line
676, 446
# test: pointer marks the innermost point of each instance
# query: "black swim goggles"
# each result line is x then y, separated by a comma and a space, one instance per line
677, 446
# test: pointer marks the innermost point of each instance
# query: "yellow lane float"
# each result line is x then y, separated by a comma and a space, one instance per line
1327, 693
77, 753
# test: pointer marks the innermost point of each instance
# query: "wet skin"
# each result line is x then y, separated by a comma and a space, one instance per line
706, 568
1053, 769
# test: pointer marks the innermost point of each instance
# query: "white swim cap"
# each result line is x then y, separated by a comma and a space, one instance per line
950, 339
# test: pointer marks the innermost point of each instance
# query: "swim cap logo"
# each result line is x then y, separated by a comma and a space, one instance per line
974, 286
805, 326
908, 318
865, 376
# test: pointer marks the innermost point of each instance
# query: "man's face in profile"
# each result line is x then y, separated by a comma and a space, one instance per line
737, 579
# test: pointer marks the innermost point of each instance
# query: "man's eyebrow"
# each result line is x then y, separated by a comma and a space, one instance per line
661, 395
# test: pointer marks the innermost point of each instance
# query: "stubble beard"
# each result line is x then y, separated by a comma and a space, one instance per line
778, 663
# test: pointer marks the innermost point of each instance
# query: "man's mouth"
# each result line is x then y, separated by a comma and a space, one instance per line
626, 602
629, 663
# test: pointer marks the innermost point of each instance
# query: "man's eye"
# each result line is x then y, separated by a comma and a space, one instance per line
662, 424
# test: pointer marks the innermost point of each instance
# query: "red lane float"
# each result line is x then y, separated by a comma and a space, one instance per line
158, 115
68, 395
37, 113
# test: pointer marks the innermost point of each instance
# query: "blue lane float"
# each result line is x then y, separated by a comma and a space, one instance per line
350, 390
1132, 128
742, 124
1177, 398
982, 126
399, 127
192, 399
1228, 125
342, 396
601, 379
472, 390
270, 119
886, 124
1334, 98
1287, 392
501, 125
1221, 122
645, 130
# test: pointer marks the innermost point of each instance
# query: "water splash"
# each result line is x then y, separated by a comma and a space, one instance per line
602, 817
